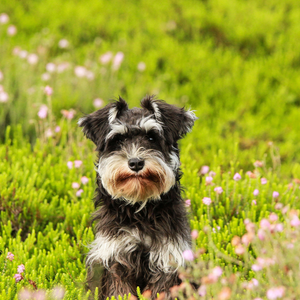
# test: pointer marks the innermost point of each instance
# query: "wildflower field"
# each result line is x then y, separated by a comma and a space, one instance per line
236, 63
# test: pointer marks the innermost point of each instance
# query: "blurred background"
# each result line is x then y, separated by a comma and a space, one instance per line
235, 62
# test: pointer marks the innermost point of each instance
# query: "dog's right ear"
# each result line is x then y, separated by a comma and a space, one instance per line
96, 125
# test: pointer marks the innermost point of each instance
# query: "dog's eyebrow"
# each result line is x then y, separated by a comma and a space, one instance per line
148, 123
116, 128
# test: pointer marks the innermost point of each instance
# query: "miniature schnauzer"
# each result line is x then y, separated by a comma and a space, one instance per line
141, 222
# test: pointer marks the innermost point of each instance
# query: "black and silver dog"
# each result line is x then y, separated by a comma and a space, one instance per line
142, 227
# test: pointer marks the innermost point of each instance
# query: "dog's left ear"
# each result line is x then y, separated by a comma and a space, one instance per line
96, 125
176, 121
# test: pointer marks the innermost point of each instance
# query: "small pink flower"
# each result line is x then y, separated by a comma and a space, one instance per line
57, 129
84, 180
45, 76
75, 185
106, 57
18, 277
273, 217
239, 249
50, 67
275, 194
218, 190
237, 177
202, 290
204, 169
275, 292
212, 174
39, 295
217, 271
278, 206
77, 163
188, 203
194, 234
255, 192
63, 43
1, 76
48, 90
188, 255
11, 30
263, 180
43, 112
98, 103
25, 294
23, 54
117, 60
256, 268
264, 224
80, 71
206, 201
4, 18
21, 269
70, 164
69, 114
295, 222
141, 66
48, 133
254, 202
3, 97
58, 293
32, 59
258, 164
10, 256
79, 192
279, 227
208, 179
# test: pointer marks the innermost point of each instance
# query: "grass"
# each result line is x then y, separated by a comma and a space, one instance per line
236, 63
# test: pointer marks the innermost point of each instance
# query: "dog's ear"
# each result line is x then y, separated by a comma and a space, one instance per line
96, 126
176, 121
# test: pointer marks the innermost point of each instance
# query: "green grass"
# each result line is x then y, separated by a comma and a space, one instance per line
235, 62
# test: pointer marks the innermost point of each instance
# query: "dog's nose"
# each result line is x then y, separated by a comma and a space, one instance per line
136, 164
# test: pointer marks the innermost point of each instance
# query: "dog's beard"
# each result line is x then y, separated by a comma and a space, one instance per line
154, 179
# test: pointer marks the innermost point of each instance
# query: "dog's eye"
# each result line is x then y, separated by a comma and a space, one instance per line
151, 138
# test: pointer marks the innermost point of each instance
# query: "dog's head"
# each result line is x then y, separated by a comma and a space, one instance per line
138, 150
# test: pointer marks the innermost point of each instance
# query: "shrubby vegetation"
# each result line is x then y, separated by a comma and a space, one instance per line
236, 63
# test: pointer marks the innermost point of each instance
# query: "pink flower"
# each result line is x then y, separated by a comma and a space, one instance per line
117, 60
63, 43
43, 112
202, 290
255, 192
21, 269
1, 76
48, 90
218, 190
263, 180
212, 174
70, 164
254, 202
10, 256
11, 30
89, 75
275, 292
264, 224
258, 164
208, 179
98, 103
69, 114
217, 271
194, 234
239, 249
48, 133
295, 222
39, 295
275, 194
84, 180
273, 217
279, 227
204, 169
80, 71
3, 97
79, 192
106, 57
32, 59
57, 129
18, 277
188, 255
4, 18
77, 163
256, 268
75, 185
50, 67
206, 201
188, 203
237, 177
45, 76
23, 54
25, 294
141, 66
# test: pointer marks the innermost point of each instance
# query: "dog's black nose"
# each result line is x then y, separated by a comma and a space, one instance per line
136, 164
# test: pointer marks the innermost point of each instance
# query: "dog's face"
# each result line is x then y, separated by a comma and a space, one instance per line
138, 151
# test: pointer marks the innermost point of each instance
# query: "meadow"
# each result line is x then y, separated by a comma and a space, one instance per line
236, 63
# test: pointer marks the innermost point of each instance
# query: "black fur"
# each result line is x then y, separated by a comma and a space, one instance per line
163, 221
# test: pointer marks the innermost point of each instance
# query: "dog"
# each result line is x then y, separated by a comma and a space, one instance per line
141, 226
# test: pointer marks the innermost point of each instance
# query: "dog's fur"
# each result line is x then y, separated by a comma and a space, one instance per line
141, 223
